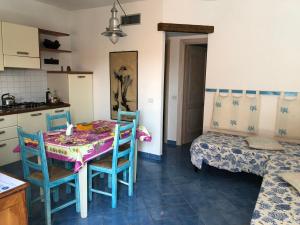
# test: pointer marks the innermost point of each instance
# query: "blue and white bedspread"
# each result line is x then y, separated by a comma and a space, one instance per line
231, 152
278, 202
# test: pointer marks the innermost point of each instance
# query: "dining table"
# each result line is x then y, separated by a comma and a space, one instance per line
86, 143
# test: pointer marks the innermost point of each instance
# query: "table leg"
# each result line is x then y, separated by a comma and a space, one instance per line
83, 190
135, 161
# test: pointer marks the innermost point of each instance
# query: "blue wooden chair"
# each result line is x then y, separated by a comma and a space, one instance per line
51, 127
40, 175
126, 117
52, 118
115, 164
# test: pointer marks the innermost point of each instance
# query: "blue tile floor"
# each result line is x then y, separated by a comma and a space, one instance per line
166, 193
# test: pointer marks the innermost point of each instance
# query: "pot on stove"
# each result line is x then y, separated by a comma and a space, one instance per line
8, 99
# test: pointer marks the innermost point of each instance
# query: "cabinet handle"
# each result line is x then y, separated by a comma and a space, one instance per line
2, 119
2, 132
36, 114
81, 76
2, 145
22, 53
59, 111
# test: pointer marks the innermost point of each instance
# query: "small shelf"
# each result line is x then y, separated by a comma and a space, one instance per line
70, 72
53, 33
42, 49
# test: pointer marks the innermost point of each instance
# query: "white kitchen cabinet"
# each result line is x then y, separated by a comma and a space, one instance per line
20, 46
6, 151
1, 50
77, 90
33, 121
8, 139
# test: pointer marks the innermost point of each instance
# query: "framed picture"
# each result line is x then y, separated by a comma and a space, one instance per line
123, 82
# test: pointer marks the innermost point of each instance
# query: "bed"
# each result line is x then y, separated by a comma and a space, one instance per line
278, 202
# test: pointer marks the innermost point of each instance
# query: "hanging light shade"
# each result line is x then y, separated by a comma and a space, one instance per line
114, 31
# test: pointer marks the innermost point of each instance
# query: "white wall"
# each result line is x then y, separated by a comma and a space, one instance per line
255, 46
91, 52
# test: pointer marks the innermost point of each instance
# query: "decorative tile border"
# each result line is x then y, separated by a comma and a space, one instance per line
276, 93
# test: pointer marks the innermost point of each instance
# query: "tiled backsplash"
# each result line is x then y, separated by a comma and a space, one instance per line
25, 85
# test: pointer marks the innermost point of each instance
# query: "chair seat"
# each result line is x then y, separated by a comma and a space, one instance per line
107, 162
55, 173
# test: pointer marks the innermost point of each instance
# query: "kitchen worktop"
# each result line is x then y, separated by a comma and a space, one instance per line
10, 111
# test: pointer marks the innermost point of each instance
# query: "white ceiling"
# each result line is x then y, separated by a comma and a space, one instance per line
81, 4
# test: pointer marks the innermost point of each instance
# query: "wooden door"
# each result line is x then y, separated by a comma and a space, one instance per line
193, 92
81, 97
1, 51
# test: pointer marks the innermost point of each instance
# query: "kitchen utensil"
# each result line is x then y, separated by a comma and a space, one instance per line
8, 99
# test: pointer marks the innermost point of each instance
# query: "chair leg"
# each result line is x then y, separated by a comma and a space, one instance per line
125, 175
109, 181
28, 199
114, 191
68, 166
47, 202
130, 180
56, 194
90, 183
77, 195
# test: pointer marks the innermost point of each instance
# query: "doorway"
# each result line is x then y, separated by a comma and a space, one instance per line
193, 92
184, 92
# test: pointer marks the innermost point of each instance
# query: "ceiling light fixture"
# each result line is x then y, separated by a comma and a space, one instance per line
114, 30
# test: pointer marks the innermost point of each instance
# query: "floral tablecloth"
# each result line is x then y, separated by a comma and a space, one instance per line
83, 146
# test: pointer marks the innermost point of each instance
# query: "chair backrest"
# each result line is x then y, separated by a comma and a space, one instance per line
52, 118
129, 116
124, 135
31, 153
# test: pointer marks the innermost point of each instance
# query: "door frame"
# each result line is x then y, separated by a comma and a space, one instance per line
181, 79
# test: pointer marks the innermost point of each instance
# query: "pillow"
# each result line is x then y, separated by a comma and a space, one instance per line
293, 178
263, 143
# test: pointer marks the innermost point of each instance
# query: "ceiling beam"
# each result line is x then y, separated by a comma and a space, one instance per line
185, 28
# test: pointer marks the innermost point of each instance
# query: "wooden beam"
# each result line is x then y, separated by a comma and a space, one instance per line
185, 28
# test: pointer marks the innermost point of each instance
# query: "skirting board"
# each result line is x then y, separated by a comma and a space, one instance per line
169, 142
150, 157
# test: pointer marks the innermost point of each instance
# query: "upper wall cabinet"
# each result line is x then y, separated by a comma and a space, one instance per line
1, 53
20, 46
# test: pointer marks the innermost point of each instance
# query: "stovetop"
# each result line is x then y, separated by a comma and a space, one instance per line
22, 105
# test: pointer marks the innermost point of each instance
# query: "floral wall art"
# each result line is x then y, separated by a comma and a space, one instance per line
123, 81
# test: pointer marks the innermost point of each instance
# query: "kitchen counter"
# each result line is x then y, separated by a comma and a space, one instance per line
11, 111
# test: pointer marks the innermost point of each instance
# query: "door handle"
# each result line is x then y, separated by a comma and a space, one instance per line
36, 114
22, 53
59, 111
81, 76
2, 119
2, 132
2, 145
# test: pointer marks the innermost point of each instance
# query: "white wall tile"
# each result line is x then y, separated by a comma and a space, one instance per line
25, 85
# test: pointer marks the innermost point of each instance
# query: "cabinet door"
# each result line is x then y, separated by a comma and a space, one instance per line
6, 151
20, 40
13, 209
81, 97
33, 121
